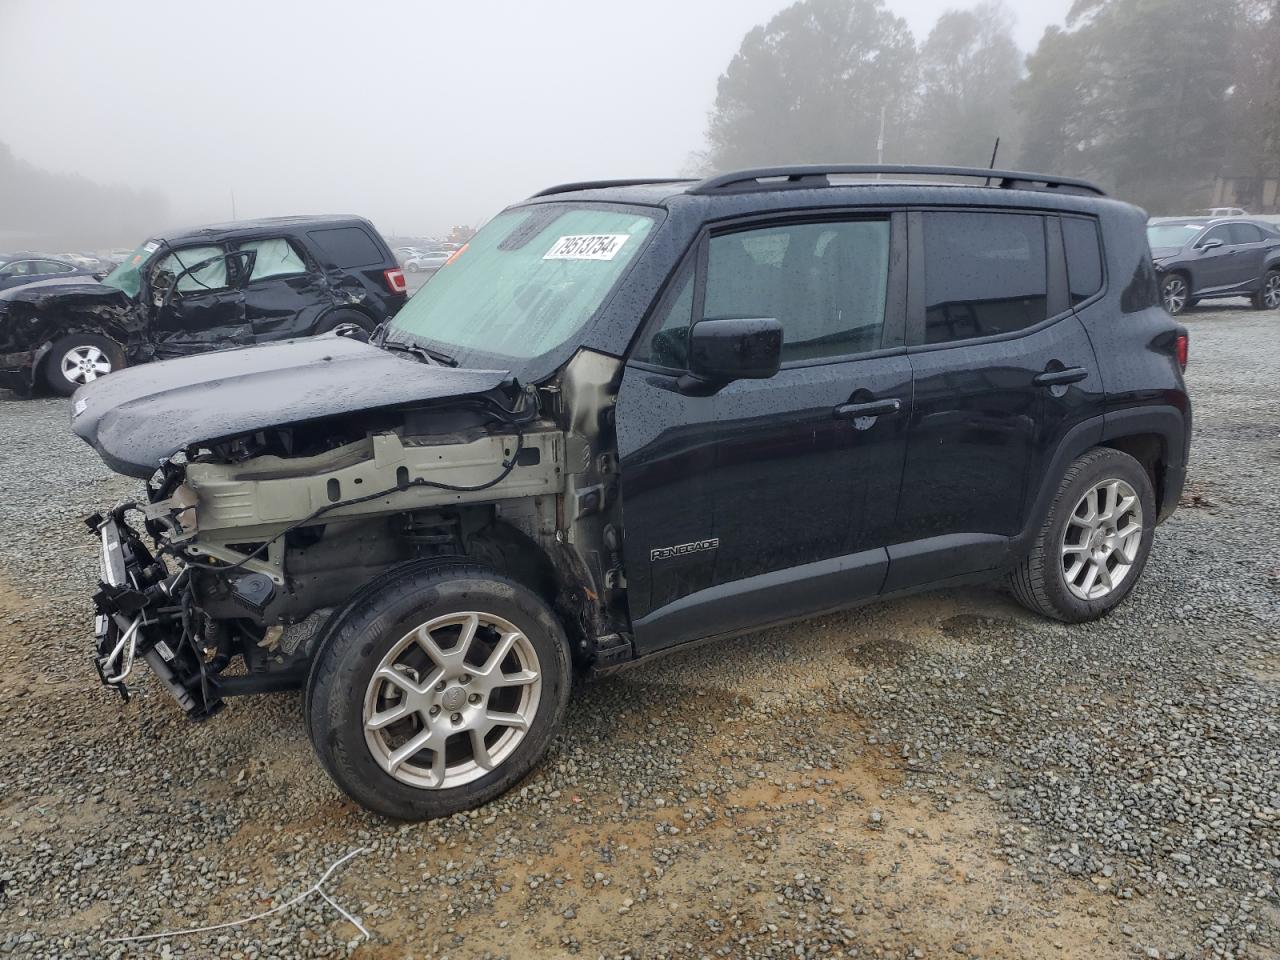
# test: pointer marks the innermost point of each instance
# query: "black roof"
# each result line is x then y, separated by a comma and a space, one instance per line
239, 229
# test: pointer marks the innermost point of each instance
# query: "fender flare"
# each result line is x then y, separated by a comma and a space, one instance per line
1167, 422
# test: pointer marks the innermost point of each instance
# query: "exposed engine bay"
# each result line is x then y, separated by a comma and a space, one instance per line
224, 579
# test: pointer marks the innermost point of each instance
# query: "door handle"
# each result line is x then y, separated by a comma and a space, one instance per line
1058, 378
872, 408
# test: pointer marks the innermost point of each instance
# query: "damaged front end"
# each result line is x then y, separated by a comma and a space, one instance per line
259, 540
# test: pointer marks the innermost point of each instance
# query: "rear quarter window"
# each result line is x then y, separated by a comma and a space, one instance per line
346, 247
1084, 257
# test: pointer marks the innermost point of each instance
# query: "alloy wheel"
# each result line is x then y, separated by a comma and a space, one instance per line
1101, 541
85, 364
1271, 292
1175, 294
451, 700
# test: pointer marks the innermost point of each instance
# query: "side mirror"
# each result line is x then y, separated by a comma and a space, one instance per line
1211, 244
721, 351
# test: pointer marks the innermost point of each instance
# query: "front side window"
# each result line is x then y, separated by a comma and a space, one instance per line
666, 341
526, 282
275, 258
985, 274
825, 283
212, 276
1221, 233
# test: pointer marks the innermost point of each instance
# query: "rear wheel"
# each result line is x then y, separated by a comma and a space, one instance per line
336, 318
79, 359
1175, 293
437, 691
1268, 296
1095, 541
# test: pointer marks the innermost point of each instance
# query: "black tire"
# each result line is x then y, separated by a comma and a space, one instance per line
90, 347
1040, 582
1175, 292
336, 318
1268, 295
369, 628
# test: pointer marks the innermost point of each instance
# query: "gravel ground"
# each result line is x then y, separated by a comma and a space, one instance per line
941, 776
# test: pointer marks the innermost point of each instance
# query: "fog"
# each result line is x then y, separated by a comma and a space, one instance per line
417, 115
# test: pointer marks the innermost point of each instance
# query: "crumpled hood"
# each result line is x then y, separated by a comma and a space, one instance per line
79, 290
137, 417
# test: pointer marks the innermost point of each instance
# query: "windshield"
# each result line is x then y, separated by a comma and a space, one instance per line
1171, 234
128, 275
526, 282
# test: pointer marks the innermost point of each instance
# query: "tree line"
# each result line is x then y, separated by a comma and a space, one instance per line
54, 212
1153, 99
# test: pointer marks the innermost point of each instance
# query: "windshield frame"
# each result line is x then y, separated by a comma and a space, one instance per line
143, 257
539, 367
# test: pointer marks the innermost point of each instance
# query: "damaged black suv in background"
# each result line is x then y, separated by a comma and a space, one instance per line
252, 281
633, 415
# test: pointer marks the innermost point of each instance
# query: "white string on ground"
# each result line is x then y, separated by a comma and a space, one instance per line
315, 888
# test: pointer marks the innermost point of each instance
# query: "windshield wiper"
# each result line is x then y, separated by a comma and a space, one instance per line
421, 352
441, 358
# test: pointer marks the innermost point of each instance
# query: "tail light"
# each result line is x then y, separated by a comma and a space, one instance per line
1181, 346
395, 280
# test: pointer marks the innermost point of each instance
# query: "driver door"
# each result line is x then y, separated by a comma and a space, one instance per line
196, 300
774, 498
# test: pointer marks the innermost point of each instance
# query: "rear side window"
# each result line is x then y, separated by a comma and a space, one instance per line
1245, 233
1084, 258
347, 247
275, 258
985, 274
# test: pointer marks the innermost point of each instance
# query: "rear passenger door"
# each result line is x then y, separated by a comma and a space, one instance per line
284, 295
1250, 248
1003, 370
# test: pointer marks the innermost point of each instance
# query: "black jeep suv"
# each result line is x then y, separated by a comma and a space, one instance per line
224, 285
632, 415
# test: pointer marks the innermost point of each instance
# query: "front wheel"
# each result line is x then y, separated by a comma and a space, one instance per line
437, 691
79, 359
1175, 293
1268, 297
1094, 543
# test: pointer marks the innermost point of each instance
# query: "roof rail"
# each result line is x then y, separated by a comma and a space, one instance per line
602, 184
816, 175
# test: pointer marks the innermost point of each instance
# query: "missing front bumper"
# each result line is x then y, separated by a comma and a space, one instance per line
142, 612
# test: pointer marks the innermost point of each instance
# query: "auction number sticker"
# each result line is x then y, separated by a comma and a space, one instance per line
587, 246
